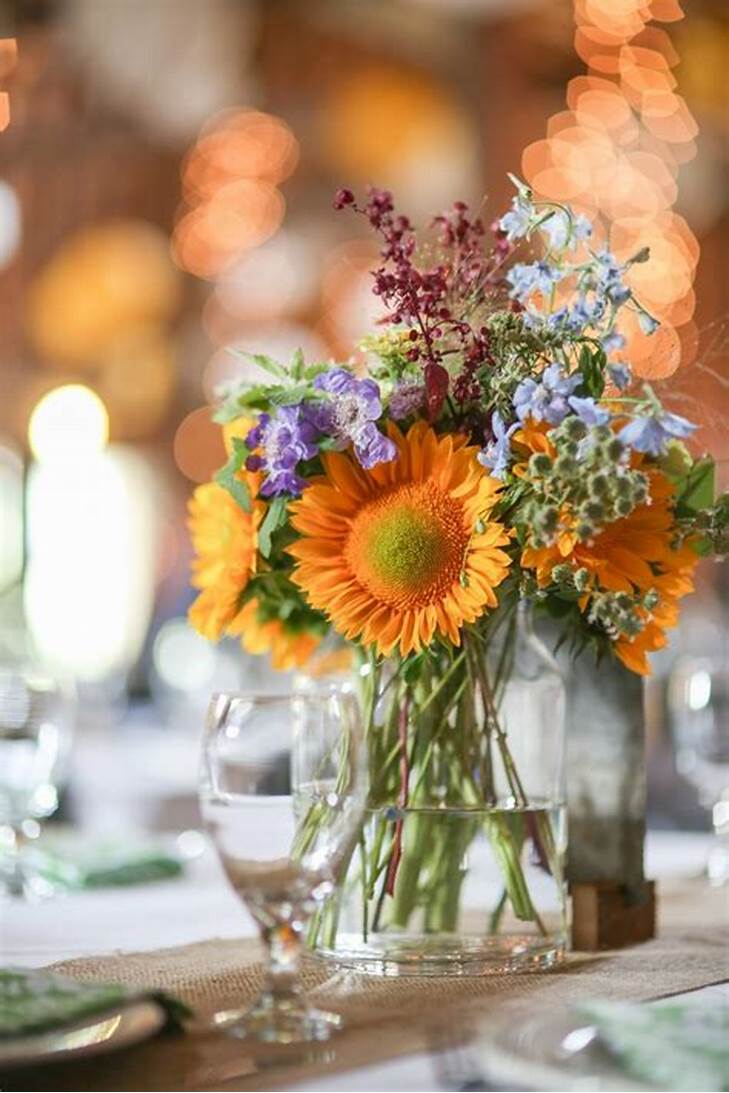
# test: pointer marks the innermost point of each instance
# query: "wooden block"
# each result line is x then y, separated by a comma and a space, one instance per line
608, 916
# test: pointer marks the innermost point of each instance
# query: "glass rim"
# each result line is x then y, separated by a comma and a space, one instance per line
271, 697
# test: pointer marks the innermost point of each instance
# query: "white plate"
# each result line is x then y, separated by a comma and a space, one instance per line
116, 1028
557, 1052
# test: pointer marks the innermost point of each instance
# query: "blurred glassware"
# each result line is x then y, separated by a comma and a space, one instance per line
36, 724
283, 786
698, 697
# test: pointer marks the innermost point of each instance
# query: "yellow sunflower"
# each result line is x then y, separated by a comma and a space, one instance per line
401, 552
633, 554
288, 648
225, 540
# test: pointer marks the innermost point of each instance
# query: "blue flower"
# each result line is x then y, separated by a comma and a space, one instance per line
546, 400
495, 456
285, 439
651, 432
565, 232
647, 323
350, 413
609, 278
612, 341
620, 374
526, 278
517, 221
588, 410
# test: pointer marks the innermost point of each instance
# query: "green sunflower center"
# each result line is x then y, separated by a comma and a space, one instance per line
407, 547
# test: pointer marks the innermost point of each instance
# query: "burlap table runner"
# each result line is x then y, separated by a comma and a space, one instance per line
385, 1017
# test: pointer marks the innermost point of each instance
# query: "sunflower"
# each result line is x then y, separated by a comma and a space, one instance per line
398, 553
289, 648
634, 555
225, 540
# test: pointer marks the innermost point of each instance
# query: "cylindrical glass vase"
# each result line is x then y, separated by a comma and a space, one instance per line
459, 869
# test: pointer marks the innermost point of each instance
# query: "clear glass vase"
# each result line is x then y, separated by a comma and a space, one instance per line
459, 869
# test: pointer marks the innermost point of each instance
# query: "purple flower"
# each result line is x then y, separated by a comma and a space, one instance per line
546, 400
620, 374
652, 432
286, 438
406, 398
534, 277
495, 456
350, 414
588, 410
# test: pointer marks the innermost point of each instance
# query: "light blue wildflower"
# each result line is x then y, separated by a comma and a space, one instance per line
517, 221
612, 341
620, 374
651, 432
588, 410
546, 400
495, 456
526, 278
647, 323
564, 232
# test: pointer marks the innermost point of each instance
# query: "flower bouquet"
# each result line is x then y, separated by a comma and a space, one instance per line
488, 448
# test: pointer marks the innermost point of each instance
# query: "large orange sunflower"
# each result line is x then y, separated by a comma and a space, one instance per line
288, 648
633, 554
225, 540
401, 552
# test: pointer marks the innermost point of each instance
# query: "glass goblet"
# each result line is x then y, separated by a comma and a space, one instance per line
283, 789
36, 714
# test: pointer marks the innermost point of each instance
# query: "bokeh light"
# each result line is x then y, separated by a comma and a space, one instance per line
69, 421
101, 281
615, 153
198, 446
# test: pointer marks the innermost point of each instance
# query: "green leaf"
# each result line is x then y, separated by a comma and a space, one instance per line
298, 365
696, 491
268, 364
273, 519
227, 476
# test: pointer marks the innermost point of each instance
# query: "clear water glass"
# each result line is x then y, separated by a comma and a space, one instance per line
698, 695
36, 722
283, 788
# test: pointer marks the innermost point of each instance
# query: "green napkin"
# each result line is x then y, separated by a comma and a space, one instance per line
66, 863
36, 1001
671, 1045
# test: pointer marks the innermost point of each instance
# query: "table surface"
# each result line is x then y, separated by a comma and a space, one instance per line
200, 905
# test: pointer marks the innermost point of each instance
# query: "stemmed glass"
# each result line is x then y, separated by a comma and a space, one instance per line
36, 721
283, 788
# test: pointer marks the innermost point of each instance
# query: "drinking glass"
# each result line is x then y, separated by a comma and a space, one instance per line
36, 714
283, 788
698, 696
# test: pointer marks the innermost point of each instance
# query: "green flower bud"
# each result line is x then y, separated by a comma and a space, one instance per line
594, 510
562, 574
624, 506
574, 428
584, 530
599, 485
565, 465
540, 464
581, 579
548, 519
614, 450
651, 598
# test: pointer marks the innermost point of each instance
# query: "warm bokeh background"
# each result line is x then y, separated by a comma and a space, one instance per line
166, 172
